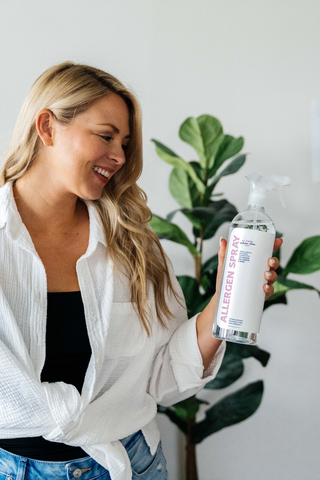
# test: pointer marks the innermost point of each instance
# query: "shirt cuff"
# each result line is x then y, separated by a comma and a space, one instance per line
186, 359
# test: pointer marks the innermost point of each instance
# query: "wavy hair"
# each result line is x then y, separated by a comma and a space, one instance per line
66, 90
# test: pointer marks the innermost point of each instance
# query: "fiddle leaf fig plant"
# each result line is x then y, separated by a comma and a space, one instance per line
192, 184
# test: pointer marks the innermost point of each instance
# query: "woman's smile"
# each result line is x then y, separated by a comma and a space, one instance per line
102, 174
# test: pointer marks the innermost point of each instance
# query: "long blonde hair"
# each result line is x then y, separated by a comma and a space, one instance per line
66, 90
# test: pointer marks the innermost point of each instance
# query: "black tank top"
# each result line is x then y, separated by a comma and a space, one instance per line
68, 353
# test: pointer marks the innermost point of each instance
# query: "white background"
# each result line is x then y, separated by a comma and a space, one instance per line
255, 65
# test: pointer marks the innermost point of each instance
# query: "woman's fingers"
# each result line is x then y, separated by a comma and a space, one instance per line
268, 290
271, 275
277, 244
221, 257
273, 263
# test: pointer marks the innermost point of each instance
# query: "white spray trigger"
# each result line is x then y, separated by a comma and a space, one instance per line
280, 193
260, 185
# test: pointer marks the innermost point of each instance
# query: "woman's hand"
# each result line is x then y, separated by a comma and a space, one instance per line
208, 345
271, 275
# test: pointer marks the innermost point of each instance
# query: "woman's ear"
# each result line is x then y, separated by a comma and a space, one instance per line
45, 127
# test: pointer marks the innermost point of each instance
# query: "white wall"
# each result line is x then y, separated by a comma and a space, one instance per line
256, 66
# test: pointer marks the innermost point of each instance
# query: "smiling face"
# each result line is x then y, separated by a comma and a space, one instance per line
84, 155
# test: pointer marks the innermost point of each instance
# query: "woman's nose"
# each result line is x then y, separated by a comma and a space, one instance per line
118, 155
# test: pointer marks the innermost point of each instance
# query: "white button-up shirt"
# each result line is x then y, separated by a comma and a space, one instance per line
128, 373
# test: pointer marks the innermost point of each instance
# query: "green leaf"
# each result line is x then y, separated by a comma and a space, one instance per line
209, 216
170, 231
194, 192
233, 167
231, 369
179, 187
201, 173
205, 282
172, 214
198, 215
201, 306
187, 213
294, 285
210, 265
181, 424
190, 288
222, 211
275, 301
306, 257
246, 351
229, 147
195, 301
192, 218
232, 364
187, 409
283, 285
230, 410
205, 135
173, 159
279, 289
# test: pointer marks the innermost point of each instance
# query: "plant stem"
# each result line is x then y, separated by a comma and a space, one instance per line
191, 466
197, 261
201, 240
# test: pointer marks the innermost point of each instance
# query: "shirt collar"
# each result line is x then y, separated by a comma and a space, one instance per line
96, 227
5, 194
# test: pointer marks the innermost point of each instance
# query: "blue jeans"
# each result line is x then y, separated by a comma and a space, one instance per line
144, 465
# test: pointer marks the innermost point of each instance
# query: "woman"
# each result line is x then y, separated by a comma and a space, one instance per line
93, 325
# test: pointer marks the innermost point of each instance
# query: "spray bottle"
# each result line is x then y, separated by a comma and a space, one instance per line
250, 245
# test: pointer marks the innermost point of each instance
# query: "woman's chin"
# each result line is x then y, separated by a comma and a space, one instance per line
91, 194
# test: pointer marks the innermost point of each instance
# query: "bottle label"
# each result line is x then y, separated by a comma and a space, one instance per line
241, 296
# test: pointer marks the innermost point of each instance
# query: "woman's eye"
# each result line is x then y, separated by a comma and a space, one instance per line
106, 138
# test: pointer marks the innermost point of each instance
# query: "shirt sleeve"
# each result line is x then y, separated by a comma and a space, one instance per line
178, 371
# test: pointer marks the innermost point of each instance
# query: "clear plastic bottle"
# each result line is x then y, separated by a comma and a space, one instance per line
250, 244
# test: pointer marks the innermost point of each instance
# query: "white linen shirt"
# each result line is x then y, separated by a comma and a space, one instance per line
128, 373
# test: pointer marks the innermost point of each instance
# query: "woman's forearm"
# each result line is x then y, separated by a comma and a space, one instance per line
208, 345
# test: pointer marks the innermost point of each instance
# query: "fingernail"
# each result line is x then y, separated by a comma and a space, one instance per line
221, 238
269, 274
272, 261
268, 287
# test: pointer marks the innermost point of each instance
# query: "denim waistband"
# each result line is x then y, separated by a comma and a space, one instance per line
145, 465
15, 467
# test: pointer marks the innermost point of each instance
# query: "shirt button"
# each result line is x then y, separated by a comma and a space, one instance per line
77, 473
84, 281
93, 319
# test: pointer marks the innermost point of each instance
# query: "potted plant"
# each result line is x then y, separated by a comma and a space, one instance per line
193, 184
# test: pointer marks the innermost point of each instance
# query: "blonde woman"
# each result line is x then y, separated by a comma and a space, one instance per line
92, 321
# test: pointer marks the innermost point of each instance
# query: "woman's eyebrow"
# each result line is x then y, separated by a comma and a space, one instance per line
116, 130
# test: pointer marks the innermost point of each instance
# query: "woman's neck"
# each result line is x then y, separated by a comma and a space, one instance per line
44, 207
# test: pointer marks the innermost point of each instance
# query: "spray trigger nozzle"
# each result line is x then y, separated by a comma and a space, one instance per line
260, 185
280, 193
